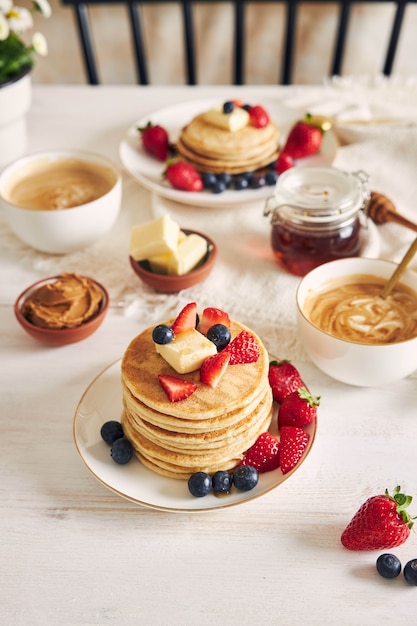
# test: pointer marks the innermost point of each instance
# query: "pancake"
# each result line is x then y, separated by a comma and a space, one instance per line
208, 431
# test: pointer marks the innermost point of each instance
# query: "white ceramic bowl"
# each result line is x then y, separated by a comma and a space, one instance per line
354, 363
62, 231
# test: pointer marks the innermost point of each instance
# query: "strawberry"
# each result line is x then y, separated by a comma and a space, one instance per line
176, 388
186, 319
284, 378
258, 116
182, 175
238, 102
284, 163
264, 454
155, 141
303, 140
380, 523
299, 408
292, 444
243, 349
213, 368
211, 316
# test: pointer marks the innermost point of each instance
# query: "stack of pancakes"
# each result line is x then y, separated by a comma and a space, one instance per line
210, 430
210, 148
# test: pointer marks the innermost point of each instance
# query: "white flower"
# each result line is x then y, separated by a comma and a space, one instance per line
20, 19
39, 44
43, 7
6, 5
4, 28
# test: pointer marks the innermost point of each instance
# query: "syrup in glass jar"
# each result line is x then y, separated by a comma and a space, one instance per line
316, 216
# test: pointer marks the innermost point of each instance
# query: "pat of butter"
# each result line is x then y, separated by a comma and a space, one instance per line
153, 238
187, 351
188, 254
160, 263
233, 121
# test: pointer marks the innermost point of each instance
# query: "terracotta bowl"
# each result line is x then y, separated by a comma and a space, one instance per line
64, 336
173, 284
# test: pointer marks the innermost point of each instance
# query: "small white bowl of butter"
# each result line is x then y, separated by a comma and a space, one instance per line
61, 201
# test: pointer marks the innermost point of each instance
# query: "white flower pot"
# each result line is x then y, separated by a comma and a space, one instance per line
15, 100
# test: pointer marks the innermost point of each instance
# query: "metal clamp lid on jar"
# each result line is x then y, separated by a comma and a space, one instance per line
321, 196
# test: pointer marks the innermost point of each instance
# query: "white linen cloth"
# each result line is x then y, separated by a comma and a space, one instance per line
246, 281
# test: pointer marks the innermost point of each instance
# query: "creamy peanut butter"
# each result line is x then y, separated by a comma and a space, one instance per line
43, 185
356, 312
67, 302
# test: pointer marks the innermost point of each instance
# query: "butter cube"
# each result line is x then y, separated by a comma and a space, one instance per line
160, 263
187, 351
153, 238
188, 254
233, 121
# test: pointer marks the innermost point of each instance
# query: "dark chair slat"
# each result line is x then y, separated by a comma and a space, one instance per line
138, 44
189, 42
395, 35
339, 50
289, 45
84, 31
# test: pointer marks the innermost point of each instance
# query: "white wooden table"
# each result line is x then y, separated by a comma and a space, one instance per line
74, 553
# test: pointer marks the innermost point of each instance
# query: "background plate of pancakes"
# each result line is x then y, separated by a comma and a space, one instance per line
148, 171
101, 402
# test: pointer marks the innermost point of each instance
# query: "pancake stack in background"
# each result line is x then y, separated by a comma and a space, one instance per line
219, 142
208, 431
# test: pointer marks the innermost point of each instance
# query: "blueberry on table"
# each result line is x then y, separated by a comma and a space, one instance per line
245, 477
122, 451
199, 484
220, 335
222, 481
162, 334
410, 572
388, 565
110, 431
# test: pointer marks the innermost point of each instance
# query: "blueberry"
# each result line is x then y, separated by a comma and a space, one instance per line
122, 451
271, 178
410, 572
228, 107
110, 431
246, 107
219, 186
225, 178
257, 181
388, 565
241, 182
199, 484
208, 179
222, 482
219, 334
162, 334
245, 477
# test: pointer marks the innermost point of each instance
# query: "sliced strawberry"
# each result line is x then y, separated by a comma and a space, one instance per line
213, 368
243, 349
264, 454
299, 408
258, 116
155, 141
176, 388
186, 319
183, 176
284, 378
284, 163
211, 316
238, 102
292, 445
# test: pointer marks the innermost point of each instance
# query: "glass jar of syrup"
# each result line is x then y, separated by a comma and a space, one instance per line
316, 216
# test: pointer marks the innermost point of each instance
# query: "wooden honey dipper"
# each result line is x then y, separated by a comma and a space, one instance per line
382, 210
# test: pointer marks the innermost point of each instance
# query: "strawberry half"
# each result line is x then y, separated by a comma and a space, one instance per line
284, 163
292, 445
284, 378
264, 454
211, 316
243, 349
186, 319
380, 523
258, 116
303, 140
155, 141
183, 176
299, 408
176, 388
213, 368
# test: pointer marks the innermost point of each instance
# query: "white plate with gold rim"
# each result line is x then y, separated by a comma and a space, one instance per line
148, 171
101, 402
